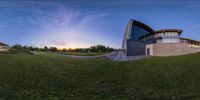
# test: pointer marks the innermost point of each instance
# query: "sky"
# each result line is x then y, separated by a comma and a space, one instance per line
83, 23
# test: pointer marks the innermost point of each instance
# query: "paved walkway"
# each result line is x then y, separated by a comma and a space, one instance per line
115, 56
120, 56
85, 56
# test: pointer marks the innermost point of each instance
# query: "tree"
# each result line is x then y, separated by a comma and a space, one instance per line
17, 46
70, 49
45, 48
64, 50
53, 49
98, 48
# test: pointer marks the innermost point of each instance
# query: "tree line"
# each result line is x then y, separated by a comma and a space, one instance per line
95, 48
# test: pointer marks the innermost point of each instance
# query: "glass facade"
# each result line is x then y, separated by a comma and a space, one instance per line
169, 37
137, 32
165, 37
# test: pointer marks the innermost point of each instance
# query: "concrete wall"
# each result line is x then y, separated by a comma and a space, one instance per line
170, 49
3, 48
135, 48
151, 49
127, 35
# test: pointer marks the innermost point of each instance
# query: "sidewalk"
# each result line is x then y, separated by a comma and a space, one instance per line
115, 56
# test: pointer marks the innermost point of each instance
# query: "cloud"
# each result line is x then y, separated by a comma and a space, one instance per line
89, 18
47, 23
52, 24
58, 43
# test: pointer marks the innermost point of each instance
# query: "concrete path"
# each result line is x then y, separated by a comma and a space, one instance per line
120, 56
115, 56
84, 56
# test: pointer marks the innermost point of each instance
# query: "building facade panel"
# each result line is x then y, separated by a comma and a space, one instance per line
133, 32
140, 39
135, 48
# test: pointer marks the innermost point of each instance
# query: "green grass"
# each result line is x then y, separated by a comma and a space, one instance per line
15, 51
54, 77
83, 54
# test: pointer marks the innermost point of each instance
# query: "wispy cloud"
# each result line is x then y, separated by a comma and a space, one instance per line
58, 43
50, 23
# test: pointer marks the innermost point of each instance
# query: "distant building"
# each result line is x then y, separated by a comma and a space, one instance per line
140, 39
3, 47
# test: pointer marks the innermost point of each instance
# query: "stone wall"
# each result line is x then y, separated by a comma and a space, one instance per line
170, 49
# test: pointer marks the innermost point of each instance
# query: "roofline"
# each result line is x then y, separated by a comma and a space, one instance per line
182, 38
3, 44
169, 30
164, 30
140, 24
150, 30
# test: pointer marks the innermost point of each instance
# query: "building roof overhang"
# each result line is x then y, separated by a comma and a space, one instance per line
163, 31
151, 31
182, 38
169, 30
3, 44
140, 24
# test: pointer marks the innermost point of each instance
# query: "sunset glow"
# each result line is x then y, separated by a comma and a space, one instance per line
63, 24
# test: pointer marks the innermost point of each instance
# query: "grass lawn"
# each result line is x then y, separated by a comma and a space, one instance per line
83, 54
54, 77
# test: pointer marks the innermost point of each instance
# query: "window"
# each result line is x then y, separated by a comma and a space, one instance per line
138, 32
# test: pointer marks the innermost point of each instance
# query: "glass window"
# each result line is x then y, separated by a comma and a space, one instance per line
138, 32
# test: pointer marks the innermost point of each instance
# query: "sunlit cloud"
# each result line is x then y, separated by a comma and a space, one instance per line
72, 24
56, 26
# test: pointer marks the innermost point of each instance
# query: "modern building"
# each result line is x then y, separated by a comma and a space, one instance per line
140, 39
3, 47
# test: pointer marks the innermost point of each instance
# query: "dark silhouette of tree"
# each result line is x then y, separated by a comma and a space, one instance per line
96, 48
53, 49
17, 46
64, 50
45, 48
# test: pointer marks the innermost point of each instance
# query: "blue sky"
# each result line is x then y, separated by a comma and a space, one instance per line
82, 23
